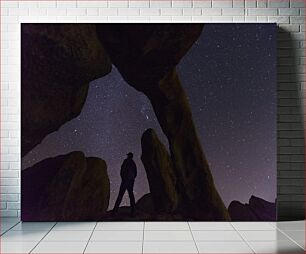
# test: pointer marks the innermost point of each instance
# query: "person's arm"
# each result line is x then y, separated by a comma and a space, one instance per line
135, 170
122, 168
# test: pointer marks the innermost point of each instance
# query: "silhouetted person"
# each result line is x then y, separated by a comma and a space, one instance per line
128, 174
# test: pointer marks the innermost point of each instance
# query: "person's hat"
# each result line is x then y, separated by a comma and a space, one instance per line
129, 154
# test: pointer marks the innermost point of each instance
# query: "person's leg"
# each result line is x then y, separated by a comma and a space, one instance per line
130, 188
120, 196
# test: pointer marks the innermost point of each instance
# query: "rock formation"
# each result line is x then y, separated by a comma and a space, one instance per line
257, 209
159, 169
145, 211
65, 188
57, 63
145, 204
146, 56
145, 53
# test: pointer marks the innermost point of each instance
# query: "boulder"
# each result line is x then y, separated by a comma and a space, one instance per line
57, 63
145, 204
145, 53
159, 170
68, 187
257, 209
145, 211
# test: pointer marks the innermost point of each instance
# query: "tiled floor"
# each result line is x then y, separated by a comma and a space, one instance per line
152, 237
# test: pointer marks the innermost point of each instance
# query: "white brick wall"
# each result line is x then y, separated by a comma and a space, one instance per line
290, 14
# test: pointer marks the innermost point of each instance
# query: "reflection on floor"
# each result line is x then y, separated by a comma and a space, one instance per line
152, 237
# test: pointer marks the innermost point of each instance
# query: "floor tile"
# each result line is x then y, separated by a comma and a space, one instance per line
273, 235
273, 224
60, 247
256, 225
297, 235
169, 247
301, 243
291, 225
69, 236
5, 226
120, 225
167, 235
167, 225
223, 247
161, 237
114, 247
211, 226
9, 224
33, 226
216, 236
9, 220
23, 236
99, 236
17, 247
63, 226
276, 247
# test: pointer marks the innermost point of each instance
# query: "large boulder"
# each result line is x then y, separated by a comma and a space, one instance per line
159, 170
57, 63
145, 53
145, 204
145, 211
65, 188
257, 209
146, 56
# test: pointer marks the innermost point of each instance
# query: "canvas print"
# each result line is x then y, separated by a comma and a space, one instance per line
154, 122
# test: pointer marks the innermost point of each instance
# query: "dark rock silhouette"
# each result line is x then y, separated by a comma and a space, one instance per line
146, 56
145, 53
145, 204
57, 61
145, 211
257, 209
159, 169
68, 187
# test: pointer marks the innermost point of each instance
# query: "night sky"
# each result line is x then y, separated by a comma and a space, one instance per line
229, 76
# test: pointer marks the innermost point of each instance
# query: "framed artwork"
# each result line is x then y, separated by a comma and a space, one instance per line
154, 122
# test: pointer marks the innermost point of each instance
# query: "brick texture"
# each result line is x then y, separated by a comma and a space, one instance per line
289, 14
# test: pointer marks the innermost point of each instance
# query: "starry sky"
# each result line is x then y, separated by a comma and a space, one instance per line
229, 76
